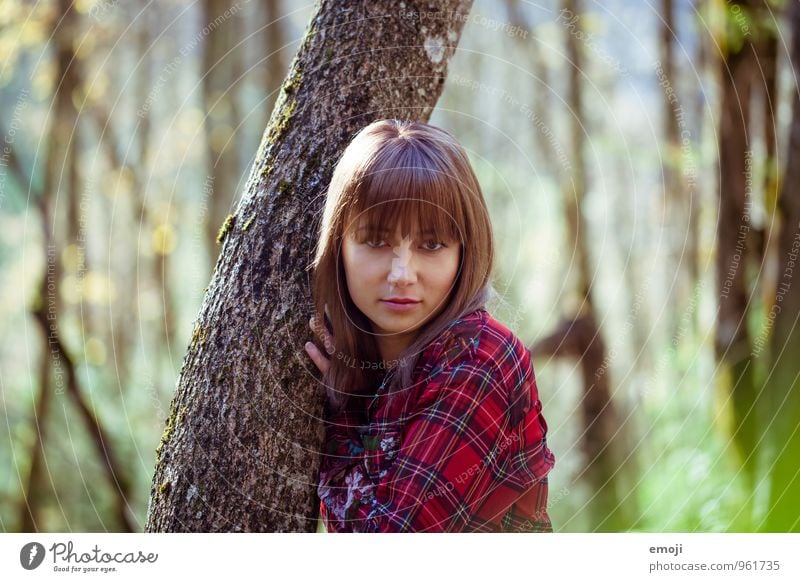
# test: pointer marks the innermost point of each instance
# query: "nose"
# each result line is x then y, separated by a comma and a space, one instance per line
402, 272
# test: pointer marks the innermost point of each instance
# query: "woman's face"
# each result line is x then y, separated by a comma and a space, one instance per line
380, 267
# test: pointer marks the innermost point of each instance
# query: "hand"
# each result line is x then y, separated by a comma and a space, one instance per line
316, 355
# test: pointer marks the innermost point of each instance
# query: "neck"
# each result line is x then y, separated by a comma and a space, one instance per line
391, 347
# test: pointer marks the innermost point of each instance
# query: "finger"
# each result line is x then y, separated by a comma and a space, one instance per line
317, 357
323, 334
314, 354
319, 328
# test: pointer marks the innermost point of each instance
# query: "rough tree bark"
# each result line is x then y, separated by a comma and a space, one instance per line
240, 449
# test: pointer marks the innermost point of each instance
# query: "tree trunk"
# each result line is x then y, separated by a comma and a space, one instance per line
59, 160
273, 39
541, 83
221, 74
602, 436
36, 485
680, 205
735, 243
241, 448
783, 382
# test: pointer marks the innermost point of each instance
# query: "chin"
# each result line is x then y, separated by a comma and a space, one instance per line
398, 324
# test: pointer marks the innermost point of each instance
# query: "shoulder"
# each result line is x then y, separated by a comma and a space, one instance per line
478, 344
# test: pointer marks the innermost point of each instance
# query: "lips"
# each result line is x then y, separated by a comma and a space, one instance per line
400, 300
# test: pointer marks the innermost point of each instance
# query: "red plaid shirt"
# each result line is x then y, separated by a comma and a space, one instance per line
466, 452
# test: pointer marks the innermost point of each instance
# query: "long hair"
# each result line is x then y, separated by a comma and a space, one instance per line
406, 173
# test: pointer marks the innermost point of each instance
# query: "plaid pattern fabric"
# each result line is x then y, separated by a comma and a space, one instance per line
466, 452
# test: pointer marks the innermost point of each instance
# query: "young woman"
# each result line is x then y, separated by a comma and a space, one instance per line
434, 422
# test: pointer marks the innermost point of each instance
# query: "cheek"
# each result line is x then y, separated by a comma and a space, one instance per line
358, 265
444, 272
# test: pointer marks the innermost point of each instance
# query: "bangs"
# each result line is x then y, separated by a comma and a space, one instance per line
406, 188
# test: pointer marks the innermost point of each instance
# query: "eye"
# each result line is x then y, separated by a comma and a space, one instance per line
375, 244
433, 242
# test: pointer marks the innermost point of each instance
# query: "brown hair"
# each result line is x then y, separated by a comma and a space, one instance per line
415, 174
